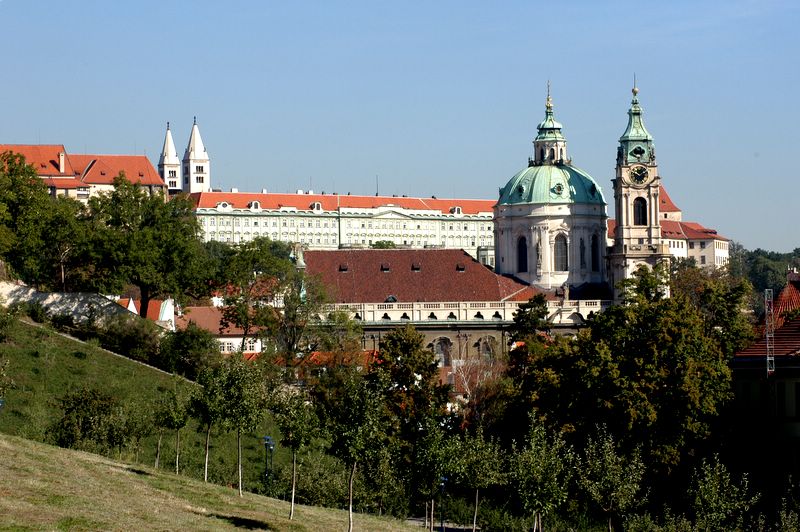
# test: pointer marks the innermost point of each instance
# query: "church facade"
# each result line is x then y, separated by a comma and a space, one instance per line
551, 226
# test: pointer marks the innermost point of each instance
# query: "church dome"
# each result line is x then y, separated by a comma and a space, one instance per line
551, 183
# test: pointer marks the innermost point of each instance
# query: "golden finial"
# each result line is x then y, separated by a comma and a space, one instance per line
549, 103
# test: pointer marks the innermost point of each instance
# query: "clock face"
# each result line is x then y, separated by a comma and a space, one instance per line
639, 174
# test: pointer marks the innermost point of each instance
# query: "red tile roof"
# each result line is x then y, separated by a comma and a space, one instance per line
786, 342
788, 299
207, 318
102, 169
43, 157
410, 275
666, 202
678, 230
153, 309
332, 202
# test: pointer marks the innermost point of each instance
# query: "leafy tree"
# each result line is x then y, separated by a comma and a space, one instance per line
541, 472
647, 370
65, 237
189, 351
355, 425
24, 207
611, 479
477, 464
383, 244
207, 403
296, 419
719, 503
243, 401
6, 382
171, 414
432, 460
254, 278
529, 319
146, 241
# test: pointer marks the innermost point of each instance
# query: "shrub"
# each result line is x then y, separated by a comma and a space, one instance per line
86, 420
134, 337
34, 310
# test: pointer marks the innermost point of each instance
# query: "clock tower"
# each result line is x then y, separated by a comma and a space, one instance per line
637, 185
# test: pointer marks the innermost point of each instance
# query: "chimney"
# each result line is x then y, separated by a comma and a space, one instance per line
61, 162
234, 190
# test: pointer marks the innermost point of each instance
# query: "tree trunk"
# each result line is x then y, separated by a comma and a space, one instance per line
294, 483
433, 520
177, 449
239, 450
144, 302
426, 515
350, 498
158, 447
205, 466
610, 529
475, 515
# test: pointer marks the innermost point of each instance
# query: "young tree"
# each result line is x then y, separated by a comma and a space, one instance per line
207, 403
172, 415
719, 503
244, 401
355, 426
611, 479
541, 472
477, 464
296, 419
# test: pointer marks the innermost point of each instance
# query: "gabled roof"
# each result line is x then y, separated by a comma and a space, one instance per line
410, 275
102, 169
44, 158
666, 202
678, 231
788, 299
332, 202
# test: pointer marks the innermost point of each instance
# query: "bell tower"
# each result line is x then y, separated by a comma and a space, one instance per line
196, 164
637, 186
169, 166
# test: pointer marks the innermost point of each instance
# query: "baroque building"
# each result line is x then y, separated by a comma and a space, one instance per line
550, 220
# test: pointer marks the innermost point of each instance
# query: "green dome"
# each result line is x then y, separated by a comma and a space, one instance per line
551, 183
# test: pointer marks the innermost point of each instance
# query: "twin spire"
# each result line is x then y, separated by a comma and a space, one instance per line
190, 174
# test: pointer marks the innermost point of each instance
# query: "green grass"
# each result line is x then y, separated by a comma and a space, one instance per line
48, 488
45, 366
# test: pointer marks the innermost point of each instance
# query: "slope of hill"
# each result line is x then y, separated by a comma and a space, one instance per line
46, 365
46, 487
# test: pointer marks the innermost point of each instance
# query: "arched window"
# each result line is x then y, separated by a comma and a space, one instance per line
442, 350
562, 262
541, 154
561, 155
583, 254
595, 254
552, 154
522, 255
639, 211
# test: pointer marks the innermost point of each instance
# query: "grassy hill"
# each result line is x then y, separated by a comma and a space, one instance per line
45, 366
45, 487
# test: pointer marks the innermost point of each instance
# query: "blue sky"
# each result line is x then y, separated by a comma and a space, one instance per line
435, 98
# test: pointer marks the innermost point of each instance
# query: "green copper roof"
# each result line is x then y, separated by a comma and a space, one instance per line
635, 129
548, 128
551, 183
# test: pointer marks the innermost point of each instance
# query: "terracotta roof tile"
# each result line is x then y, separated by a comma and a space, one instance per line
332, 202
786, 342
102, 169
207, 318
410, 275
43, 157
666, 202
678, 230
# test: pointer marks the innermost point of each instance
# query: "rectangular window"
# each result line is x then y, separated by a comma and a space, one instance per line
198, 169
173, 173
199, 179
173, 184
691, 245
703, 259
702, 245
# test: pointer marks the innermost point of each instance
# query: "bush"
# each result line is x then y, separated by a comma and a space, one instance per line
134, 337
86, 420
34, 310
7, 318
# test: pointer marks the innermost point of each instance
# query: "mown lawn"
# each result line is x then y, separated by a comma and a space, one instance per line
49, 488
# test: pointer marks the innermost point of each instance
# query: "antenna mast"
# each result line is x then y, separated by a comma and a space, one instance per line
769, 331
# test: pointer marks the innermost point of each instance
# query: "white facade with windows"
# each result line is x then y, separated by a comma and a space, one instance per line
330, 221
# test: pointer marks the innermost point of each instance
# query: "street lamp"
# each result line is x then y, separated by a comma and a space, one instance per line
269, 448
442, 482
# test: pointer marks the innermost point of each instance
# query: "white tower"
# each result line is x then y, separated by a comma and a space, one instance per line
196, 165
169, 166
